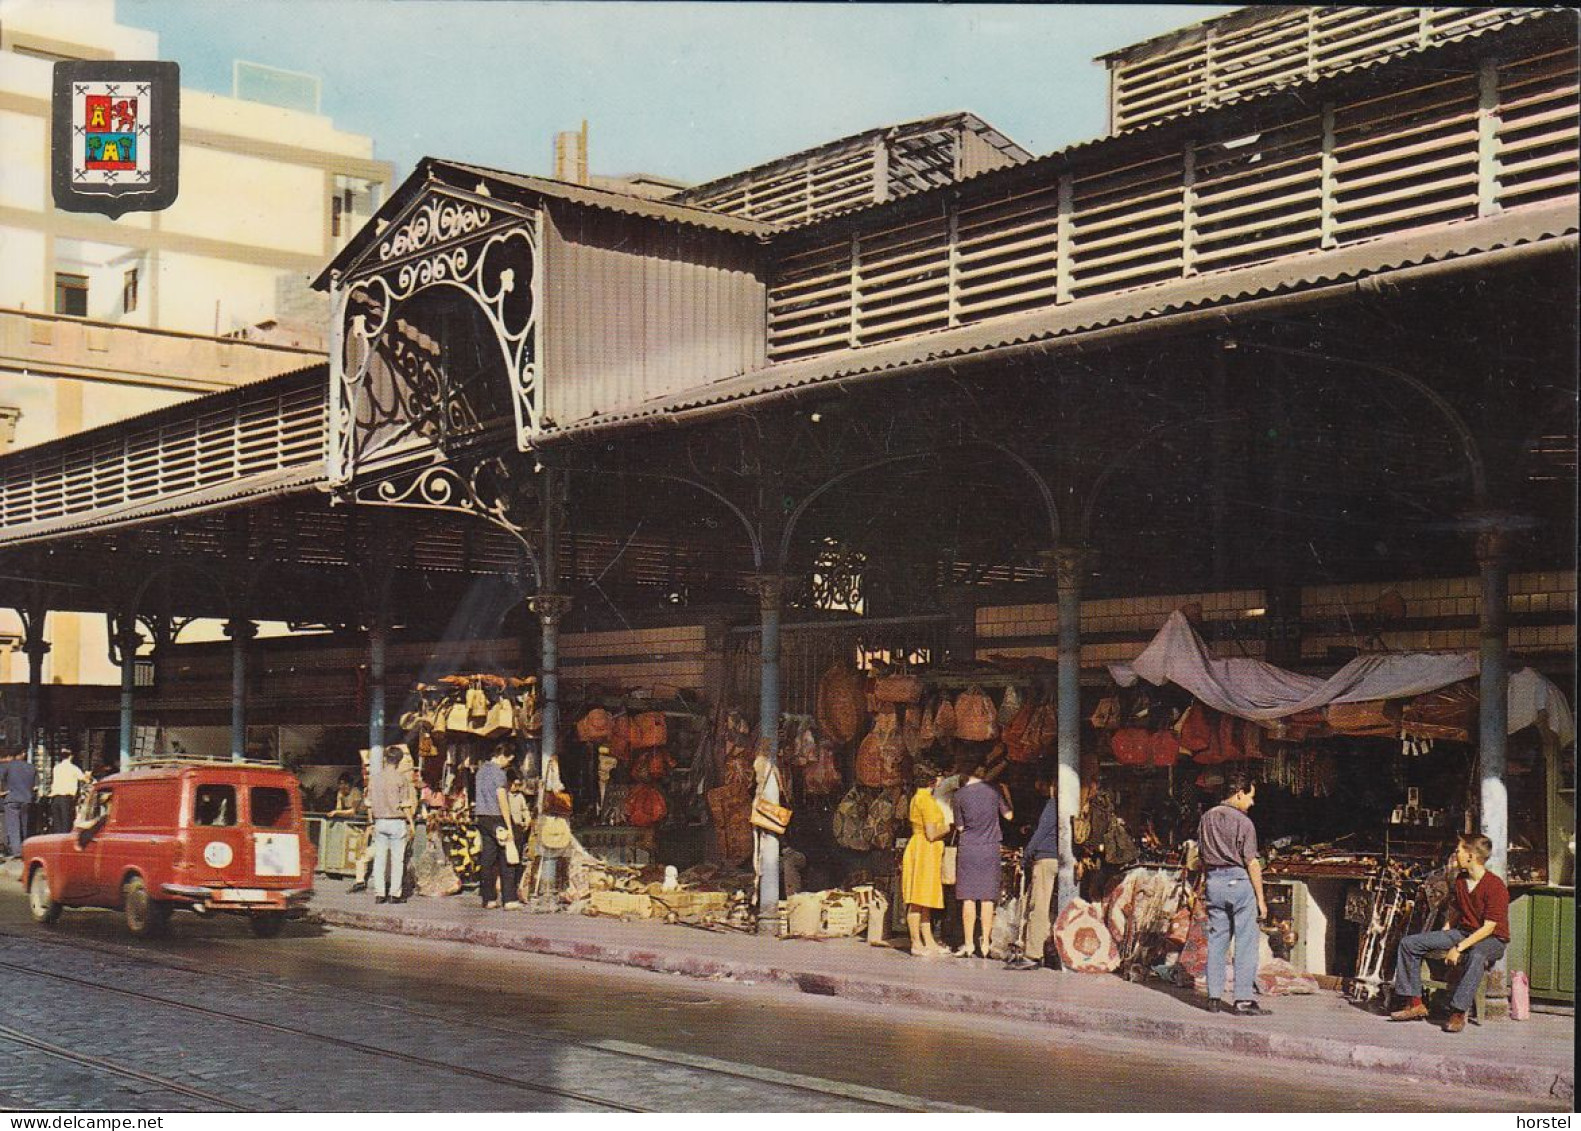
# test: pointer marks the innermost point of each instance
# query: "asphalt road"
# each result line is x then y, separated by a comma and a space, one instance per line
337, 1020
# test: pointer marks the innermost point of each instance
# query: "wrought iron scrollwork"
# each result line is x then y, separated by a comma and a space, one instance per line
485, 251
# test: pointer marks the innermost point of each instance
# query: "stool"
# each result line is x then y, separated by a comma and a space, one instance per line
1450, 980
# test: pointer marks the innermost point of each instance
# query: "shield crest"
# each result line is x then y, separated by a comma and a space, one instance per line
116, 136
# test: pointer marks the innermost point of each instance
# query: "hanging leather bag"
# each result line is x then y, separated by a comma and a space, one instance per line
1130, 746
898, 689
1162, 748
1193, 729
944, 720
769, 817
870, 761
458, 720
620, 738
821, 776
1375, 718
648, 730
595, 726
976, 719
1106, 716
842, 702
646, 806
1010, 706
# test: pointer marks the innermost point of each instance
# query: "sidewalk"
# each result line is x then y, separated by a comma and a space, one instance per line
1531, 1059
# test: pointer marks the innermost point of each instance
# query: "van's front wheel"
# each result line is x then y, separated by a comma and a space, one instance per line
145, 915
266, 924
43, 906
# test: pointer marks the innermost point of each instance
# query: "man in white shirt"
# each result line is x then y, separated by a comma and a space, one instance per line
63, 786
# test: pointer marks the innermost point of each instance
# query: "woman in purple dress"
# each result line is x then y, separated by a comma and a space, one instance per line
978, 807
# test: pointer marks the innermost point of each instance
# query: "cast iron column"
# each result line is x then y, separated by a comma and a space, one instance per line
378, 641
1493, 558
240, 630
551, 609
124, 643
36, 648
771, 590
1069, 564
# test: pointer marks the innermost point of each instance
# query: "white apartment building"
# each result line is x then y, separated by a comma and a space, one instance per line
103, 319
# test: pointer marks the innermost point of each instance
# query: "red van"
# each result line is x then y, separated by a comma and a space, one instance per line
205, 836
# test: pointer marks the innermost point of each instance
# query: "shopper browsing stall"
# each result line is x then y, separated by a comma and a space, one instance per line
491, 811
979, 805
1477, 931
1227, 840
921, 868
392, 803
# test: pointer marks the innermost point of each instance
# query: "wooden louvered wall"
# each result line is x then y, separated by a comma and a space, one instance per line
1231, 58
1494, 138
271, 426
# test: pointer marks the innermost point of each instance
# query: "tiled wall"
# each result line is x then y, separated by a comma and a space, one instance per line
1329, 611
1444, 597
636, 659
1135, 617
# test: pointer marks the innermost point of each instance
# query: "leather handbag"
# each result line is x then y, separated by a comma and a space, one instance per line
842, 702
898, 689
769, 817
648, 730
620, 738
595, 726
870, 761
1449, 713
944, 720
1163, 748
557, 803
458, 720
976, 718
554, 833
1130, 746
646, 806
947, 864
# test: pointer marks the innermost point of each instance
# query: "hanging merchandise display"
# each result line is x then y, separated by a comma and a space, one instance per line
1084, 940
976, 718
842, 702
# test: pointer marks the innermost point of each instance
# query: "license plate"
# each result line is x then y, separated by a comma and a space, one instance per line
241, 895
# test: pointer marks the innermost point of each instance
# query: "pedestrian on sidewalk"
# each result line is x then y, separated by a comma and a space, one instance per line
1476, 932
1227, 842
63, 786
17, 781
1041, 859
922, 866
392, 803
491, 812
979, 804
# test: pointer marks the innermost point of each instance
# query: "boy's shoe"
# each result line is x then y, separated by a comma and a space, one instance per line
1410, 1013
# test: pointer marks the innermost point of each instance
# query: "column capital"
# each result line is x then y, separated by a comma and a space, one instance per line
124, 644
35, 647
551, 608
770, 588
1067, 563
1493, 546
240, 628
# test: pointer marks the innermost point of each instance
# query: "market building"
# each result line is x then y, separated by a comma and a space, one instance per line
1280, 373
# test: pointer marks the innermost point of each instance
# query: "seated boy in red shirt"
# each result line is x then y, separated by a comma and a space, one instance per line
1476, 934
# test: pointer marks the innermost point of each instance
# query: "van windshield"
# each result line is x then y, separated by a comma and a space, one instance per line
271, 807
215, 805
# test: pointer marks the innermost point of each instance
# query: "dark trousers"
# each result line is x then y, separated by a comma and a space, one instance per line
62, 810
496, 874
15, 828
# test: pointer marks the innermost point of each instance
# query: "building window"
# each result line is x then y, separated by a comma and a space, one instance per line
71, 294
334, 215
129, 291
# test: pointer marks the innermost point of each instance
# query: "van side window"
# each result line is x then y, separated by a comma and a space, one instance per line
215, 805
271, 807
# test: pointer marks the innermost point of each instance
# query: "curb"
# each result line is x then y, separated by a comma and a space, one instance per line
1528, 1081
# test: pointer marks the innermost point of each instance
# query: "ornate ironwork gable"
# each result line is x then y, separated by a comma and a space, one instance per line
435, 329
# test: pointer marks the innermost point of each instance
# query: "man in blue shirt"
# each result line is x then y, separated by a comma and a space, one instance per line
1041, 859
17, 781
491, 812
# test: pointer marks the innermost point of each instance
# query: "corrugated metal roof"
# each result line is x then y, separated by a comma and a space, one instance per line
461, 175
1301, 97
1084, 315
303, 479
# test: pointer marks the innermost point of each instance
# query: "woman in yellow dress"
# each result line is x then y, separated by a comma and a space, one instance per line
922, 867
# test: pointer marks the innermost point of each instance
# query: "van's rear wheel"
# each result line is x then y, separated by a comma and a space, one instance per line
145, 915
44, 907
266, 924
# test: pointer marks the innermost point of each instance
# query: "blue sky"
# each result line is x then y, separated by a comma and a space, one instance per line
686, 90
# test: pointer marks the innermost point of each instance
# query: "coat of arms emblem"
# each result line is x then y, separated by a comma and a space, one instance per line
116, 136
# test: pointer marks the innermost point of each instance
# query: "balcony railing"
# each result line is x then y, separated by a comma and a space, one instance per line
1495, 137
1247, 52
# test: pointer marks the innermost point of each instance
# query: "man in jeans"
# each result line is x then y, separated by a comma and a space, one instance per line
1227, 842
391, 802
1477, 931
491, 812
